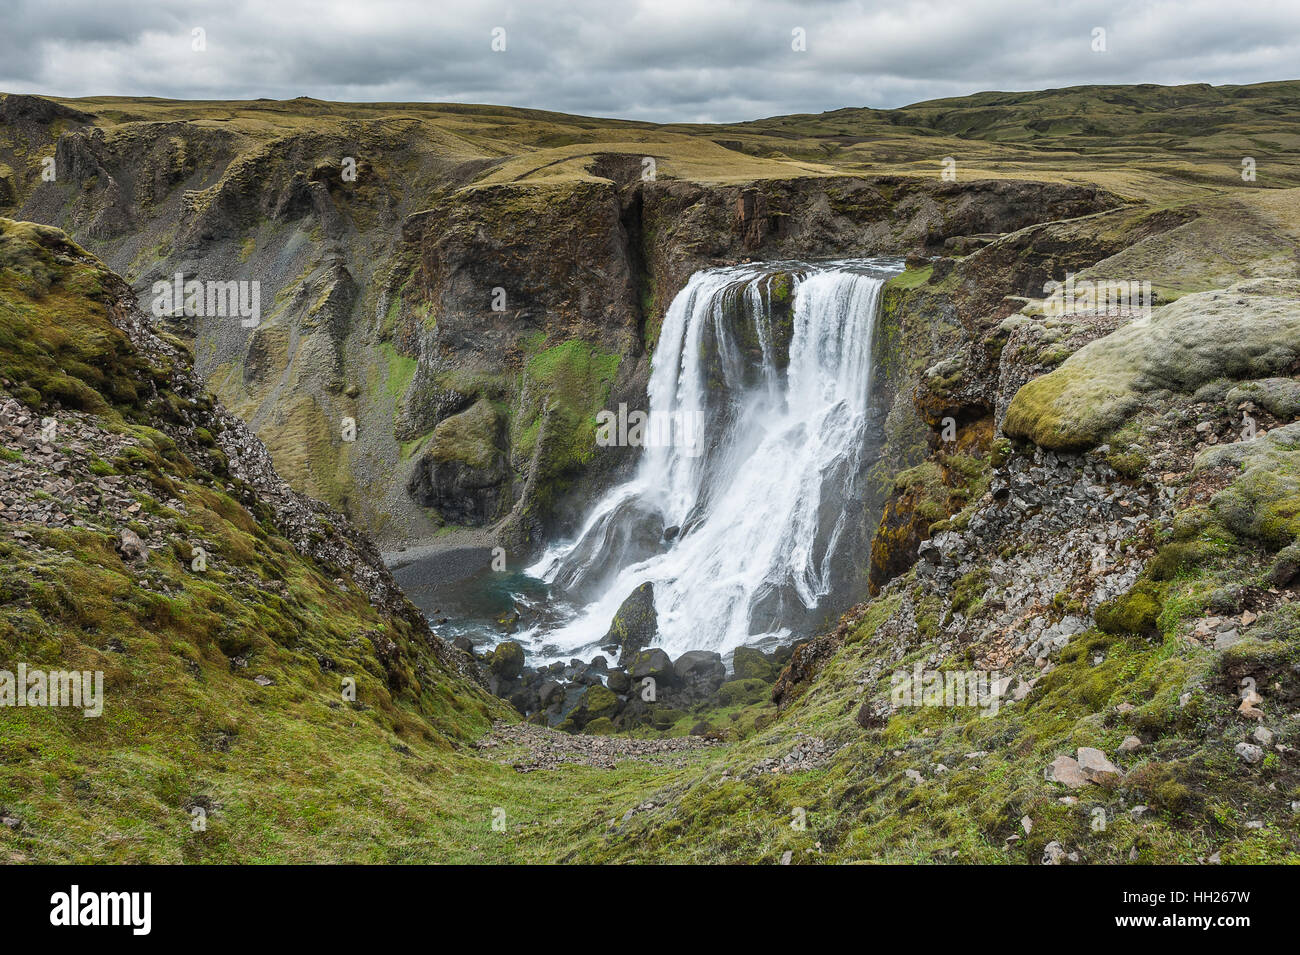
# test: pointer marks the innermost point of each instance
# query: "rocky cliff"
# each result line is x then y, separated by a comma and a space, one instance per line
437, 329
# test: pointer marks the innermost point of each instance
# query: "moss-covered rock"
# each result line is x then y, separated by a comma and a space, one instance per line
1264, 502
463, 471
635, 624
1134, 612
1247, 331
748, 663
506, 660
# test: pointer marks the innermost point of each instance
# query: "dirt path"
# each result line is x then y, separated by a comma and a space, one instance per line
529, 748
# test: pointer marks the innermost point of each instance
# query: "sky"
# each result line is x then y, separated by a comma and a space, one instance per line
657, 60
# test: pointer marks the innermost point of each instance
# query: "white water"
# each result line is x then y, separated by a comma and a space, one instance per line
765, 503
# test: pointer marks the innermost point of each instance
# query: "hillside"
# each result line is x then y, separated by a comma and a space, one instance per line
1095, 508
379, 233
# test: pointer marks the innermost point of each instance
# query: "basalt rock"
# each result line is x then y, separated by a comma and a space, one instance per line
635, 624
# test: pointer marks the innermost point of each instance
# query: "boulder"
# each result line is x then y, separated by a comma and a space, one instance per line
874, 713
635, 624
748, 663
651, 663
550, 692
700, 667
1286, 569
1249, 753
618, 681
130, 546
506, 661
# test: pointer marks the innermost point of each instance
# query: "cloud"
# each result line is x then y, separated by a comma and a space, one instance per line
661, 60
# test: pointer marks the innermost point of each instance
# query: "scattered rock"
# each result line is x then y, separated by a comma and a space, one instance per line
1094, 765
130, 546
1249, 753
1066, 771
1131, 744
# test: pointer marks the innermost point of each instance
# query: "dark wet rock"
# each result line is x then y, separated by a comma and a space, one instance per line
549, 692
619, 681
651, 663
700, 666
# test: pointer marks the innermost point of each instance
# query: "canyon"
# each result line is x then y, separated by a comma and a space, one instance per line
1095, 504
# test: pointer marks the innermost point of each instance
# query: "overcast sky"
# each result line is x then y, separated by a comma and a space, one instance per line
661, 60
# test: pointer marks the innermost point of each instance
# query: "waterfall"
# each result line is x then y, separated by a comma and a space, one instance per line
774, 365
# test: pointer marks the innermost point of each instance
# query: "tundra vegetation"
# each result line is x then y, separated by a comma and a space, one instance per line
1102, 506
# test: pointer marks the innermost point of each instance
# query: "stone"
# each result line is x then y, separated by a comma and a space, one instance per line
874, 713
1227, 638
1131, 744
651, 663
1263, 736
618, 681
700, 666
130, 546
1066, 771
1094, 765
506, 661
1249, 753
635, 624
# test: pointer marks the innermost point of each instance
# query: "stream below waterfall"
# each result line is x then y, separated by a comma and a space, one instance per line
745, 509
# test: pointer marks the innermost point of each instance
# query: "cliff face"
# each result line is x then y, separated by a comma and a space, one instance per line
435, 338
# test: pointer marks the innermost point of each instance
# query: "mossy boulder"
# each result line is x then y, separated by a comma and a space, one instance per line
635, 624
748, 663
592, 704
1280, 397
743, 692
602, 726
1251, 330
1134, 612
506, 661
1264, 502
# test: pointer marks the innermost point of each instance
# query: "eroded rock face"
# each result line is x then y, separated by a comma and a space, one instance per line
463, 471
385, 287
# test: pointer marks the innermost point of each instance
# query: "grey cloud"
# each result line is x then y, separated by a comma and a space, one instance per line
662, 60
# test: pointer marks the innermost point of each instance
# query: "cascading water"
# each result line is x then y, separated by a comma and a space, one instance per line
764, 375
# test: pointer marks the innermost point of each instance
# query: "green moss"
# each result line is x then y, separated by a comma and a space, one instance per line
1134, 612
561, 391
